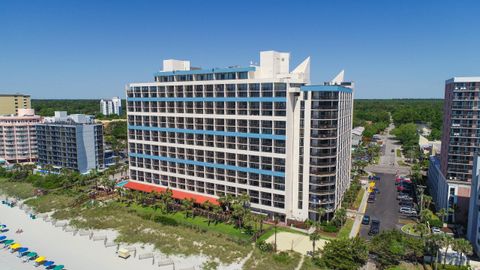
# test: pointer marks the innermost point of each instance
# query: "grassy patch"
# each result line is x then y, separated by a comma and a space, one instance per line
169, 239
401, 163
407, 266
345, 230
50, 202
280, 261
398, 152
16, 189
309, 265
197, 222
359, 198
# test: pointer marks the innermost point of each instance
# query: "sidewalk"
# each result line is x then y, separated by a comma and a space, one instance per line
359, 216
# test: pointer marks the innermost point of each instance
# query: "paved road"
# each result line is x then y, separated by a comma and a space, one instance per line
385, 208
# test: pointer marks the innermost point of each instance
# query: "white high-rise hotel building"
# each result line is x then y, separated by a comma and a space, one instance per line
111, 106
261, 130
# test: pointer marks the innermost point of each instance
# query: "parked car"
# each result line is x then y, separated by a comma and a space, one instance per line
376, 190
408, 211
366, 220
436, 230
371, 198
404, 196
406, 204
374, 227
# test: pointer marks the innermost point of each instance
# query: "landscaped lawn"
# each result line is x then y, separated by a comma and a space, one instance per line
198, 222
399, 153
359, 198
16, 189
345, 230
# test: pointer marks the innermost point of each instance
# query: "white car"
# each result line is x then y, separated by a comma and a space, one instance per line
436, 230
408, 211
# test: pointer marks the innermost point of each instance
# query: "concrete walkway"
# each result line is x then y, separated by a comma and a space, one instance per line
359, 215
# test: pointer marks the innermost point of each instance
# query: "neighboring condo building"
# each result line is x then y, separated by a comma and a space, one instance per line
473, 229
71, 141
260, 130
111, 106
10, 103
451, 175
18, 141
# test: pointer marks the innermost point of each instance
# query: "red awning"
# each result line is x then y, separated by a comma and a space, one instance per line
175, 193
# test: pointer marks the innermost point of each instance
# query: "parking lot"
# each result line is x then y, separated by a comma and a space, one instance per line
385, 208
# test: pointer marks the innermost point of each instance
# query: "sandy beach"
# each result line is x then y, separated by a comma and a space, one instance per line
75, 252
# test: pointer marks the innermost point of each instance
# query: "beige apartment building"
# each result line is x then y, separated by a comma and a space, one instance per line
10, 103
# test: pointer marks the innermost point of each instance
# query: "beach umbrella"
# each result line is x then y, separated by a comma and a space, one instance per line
59, 267
31, 254
48, 263
15, 246
40, 259
2, 237
22, 250
8, 242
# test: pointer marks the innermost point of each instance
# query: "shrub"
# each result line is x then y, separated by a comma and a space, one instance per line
264, 246
330, 228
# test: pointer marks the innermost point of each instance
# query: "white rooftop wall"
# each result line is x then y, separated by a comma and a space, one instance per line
172, 65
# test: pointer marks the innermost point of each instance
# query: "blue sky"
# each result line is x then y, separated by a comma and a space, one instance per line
91, 49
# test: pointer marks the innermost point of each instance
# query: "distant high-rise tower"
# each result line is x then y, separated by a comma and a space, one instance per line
451, 176
111, 106
10, 103
257, 130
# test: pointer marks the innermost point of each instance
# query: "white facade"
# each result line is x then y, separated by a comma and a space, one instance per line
261, 130
111, 106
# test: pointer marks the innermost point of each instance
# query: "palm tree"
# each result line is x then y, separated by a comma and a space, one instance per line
321, 212
462, 246
314, 237
207, 205
226, 201
341, 215
434, 243
275, 224
187, 206
427, 200
442, 213
447, 240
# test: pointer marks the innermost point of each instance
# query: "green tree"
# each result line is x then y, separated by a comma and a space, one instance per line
447, 241
314, 237
345, 254
462, 247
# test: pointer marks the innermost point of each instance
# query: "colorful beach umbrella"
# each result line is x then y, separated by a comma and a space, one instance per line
2, 237
8, 242
48, 263
59, 267
15, 246
22, 250
40, 259
31, 254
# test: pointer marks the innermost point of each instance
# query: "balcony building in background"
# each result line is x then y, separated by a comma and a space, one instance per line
10, 103
71, 141
111, 106
261, 130
18, 141
450, 185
